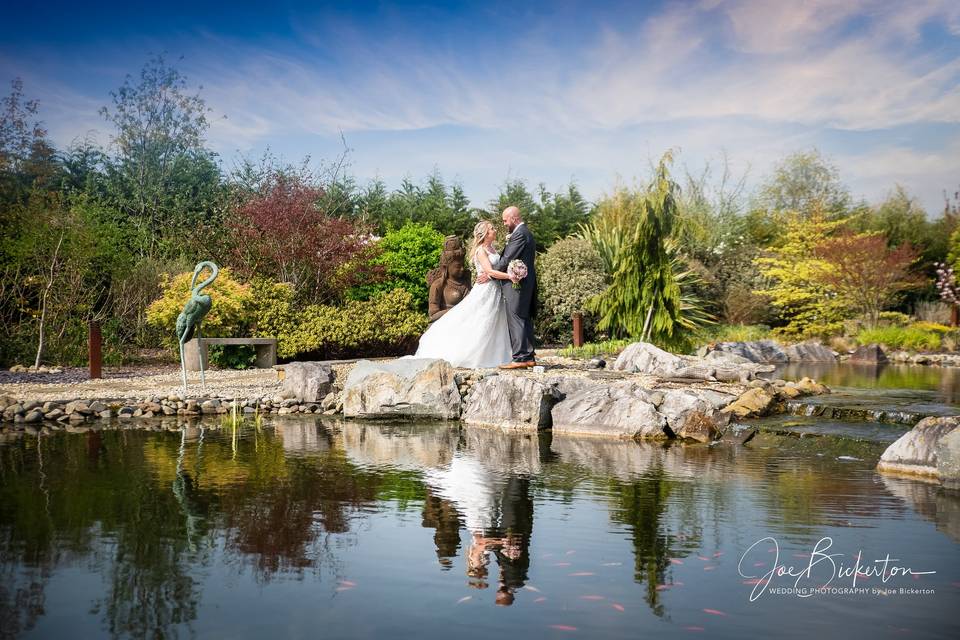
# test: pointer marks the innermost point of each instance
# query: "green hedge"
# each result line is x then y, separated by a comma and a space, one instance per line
386, 324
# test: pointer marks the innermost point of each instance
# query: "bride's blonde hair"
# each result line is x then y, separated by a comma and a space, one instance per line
479, 234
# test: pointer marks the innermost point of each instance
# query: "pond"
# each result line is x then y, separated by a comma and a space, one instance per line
311, 527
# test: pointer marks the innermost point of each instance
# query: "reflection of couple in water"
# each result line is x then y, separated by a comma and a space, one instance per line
498, 512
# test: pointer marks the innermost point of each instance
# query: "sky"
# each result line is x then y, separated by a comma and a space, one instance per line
546, 92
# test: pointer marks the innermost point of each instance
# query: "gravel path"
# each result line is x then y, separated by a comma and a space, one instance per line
139, 383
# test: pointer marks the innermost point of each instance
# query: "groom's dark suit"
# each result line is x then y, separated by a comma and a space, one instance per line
522, 302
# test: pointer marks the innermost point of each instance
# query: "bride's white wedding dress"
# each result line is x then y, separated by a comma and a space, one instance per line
474, 333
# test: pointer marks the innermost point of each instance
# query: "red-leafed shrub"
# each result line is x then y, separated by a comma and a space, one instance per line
864, 272
283, 234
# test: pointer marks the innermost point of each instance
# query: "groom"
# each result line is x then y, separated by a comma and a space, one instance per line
522, 302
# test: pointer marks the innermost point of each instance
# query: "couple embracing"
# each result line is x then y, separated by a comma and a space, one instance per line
493, 325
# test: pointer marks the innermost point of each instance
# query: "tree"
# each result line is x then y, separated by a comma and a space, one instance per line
865, 273
805, 182
632, 233
26, 158
282, 234
162, 176
806, 304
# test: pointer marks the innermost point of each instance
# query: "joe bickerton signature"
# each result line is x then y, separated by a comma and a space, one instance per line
819, 571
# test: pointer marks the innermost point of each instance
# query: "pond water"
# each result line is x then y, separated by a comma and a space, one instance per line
320, 528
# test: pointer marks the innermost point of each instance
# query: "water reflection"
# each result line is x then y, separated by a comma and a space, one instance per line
941, 383
154, 524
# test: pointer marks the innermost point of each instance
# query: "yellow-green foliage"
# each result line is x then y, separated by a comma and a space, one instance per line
933, 327
733, 333
386, 321
913, 338
273, 315
230, 315
809, 306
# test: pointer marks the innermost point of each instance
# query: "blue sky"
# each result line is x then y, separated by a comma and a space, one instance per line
546, 92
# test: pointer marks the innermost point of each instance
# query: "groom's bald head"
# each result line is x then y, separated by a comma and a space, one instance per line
511, 217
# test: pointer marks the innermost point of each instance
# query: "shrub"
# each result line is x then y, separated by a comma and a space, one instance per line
912, 338
230, 316
387, 324
568, 274
273, 313
284, 233
932, 327
408, 253
232, 356
734, 333
893, 318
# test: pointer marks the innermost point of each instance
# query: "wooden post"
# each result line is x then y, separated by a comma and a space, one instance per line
954, 315
95, 344
578, 329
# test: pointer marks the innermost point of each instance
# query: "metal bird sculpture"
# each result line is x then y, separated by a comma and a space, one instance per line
188, 322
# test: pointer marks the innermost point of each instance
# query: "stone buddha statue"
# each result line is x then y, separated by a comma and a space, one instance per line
450, 282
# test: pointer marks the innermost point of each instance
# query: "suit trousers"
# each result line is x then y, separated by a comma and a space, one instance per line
521, 336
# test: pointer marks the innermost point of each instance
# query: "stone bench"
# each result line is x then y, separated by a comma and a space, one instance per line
265, 348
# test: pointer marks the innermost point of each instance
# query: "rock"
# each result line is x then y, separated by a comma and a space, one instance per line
597, 363
30, 406
948, 459
408, 387
809, 351
33, 416
53, 414
619, 410
695, 413
6, 401
106, 414
790, 391
285, 411
642, 357
97, 407
307, 381
77, 406
152, 407
512, 402
13, 410
808, 386
760, 351
868, 354
915, 452
210, 406
753, 402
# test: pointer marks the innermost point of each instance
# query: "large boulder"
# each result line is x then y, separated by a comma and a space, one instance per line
916, 452
809, 351
408, 387
868, 354
642, 357
695, 413
761, 351
512, 402
307, 381
948, 459
617, 410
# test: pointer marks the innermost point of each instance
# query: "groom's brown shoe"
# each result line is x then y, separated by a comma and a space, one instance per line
519, 365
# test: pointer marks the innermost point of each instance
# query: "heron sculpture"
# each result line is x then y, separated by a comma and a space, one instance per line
188, 322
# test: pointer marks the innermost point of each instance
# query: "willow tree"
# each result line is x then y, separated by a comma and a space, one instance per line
632, 232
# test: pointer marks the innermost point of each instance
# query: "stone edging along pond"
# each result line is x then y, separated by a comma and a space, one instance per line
647, 393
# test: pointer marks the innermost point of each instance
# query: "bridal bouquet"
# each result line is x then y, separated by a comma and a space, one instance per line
517, 270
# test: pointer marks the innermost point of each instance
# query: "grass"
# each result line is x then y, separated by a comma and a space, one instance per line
594, 349
917, 337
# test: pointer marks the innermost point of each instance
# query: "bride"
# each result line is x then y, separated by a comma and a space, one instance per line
474, 334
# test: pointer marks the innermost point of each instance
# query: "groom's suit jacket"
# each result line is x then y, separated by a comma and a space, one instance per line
520, 244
